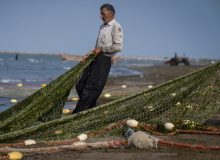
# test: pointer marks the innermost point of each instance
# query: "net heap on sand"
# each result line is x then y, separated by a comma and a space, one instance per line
193, 97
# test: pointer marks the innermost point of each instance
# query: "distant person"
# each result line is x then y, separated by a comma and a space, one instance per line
109, 42
16, 56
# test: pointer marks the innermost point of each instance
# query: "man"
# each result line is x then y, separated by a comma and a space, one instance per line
109, 42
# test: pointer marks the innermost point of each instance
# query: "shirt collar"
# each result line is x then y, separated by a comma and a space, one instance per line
111, 22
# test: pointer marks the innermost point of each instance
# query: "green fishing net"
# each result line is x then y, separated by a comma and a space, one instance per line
44, 105
195, 97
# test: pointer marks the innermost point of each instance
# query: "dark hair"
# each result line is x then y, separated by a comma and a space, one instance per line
109, 7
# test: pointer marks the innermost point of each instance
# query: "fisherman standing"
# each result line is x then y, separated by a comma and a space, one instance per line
16, 56
109, 42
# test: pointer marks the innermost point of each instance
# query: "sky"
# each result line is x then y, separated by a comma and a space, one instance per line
152, 28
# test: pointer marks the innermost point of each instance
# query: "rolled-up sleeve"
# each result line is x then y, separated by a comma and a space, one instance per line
117, 40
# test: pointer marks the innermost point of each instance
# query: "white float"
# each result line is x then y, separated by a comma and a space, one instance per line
82, 137
30, 142
132, 123
169, 126
107, 95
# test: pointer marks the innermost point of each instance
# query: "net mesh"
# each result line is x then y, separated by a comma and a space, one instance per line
194, 97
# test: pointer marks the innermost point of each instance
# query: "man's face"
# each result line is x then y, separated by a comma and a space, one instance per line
106, 15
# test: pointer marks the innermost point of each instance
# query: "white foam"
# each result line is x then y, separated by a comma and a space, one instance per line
10, 80
67, 68
32, 60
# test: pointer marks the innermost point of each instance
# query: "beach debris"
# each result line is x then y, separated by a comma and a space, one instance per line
74, 98
30, 142
132, 123
15, 155
19, 85
173, 94
123, 86
169, 126
82, 137
150, 86
43, 85
14, 101
107, 95
140, 139
66, 111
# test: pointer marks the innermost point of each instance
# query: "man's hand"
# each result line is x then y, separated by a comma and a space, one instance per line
83, 60
97, 51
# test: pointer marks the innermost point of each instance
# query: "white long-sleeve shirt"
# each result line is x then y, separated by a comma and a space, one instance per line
110, 38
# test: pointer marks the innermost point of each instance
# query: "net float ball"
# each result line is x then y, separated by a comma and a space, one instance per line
150, 86
66, 111
14, 100
107, 95
123, 86
82, 137
132, 123
169, 126
19, 85
75, 99
43, 85
15, 155
29, 142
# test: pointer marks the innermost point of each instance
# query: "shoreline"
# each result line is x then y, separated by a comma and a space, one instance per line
77, 57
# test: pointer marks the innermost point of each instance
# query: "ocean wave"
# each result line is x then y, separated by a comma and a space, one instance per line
38, 80
67, 68
32, 60
10, 80
121, 71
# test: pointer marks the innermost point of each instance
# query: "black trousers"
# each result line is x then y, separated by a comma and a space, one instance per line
92, 82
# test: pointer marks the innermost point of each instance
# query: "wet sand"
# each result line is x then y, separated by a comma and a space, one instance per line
134, 84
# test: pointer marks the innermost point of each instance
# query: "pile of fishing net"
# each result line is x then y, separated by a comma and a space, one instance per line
194, 98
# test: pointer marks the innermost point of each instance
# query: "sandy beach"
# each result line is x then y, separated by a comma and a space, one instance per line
151, 76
